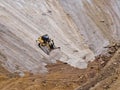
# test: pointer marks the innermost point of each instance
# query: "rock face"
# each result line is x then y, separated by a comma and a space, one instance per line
97, 20
82, 28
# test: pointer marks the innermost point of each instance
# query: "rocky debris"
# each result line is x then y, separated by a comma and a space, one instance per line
103, 59
110, 69
113, 48
102, 21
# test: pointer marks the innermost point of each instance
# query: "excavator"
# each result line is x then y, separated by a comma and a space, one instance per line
46, 44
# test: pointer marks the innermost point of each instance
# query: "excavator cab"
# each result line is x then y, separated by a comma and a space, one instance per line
43, 40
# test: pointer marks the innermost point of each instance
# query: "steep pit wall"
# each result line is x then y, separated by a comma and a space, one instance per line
23, 21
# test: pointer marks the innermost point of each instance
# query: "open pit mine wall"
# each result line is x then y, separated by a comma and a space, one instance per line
98, 21
82, 28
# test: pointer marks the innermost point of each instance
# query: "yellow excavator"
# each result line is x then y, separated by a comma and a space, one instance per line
46, 44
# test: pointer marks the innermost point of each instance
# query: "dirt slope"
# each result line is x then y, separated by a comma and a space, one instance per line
22, 22
71, 24
62, 76
112, 74
97, 20
82, 28
108, 75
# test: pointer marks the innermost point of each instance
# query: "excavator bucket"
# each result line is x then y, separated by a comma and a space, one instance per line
44, 49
